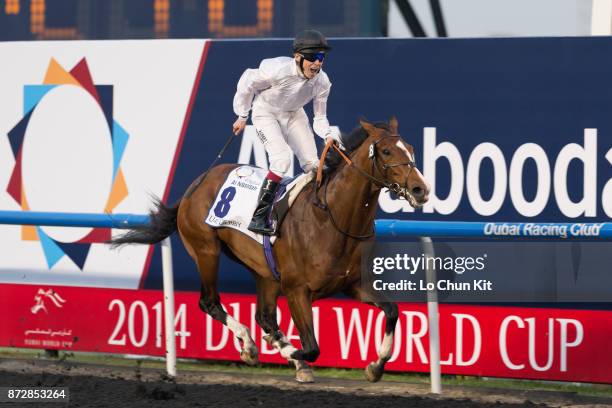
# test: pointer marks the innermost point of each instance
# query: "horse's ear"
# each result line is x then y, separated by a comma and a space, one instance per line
370, 128
393, 125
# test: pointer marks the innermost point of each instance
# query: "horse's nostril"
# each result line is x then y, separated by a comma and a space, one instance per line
417, 191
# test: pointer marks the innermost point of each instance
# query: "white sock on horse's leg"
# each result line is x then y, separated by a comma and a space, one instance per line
384, 354
286, 349
375, 369
242, 332
302, 370
282, 344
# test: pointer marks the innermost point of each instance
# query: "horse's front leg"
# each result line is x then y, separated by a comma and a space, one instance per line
300, 305
267, 295
375, 369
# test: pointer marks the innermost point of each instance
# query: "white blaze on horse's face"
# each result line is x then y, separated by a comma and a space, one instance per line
403, 148
417, 192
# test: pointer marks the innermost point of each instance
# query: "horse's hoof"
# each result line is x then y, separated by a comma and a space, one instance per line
304, 375
249, 356
268, 339
374, 372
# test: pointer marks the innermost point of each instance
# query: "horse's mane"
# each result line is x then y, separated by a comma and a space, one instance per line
351, 142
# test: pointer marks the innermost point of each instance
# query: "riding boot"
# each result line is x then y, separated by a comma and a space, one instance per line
260, 222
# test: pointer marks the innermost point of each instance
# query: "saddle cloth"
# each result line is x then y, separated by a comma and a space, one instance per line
236, 201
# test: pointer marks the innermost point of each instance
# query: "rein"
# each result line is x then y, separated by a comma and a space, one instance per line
393, 187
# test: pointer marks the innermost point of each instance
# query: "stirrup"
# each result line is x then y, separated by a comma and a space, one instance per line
262, 228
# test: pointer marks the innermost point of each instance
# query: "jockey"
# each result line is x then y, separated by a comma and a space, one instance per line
277, 92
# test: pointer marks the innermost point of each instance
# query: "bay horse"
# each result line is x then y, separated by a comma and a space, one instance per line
319, 245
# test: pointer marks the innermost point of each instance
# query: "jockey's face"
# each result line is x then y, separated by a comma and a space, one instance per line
310, 68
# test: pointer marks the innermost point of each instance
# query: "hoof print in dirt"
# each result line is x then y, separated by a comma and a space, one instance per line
159, 392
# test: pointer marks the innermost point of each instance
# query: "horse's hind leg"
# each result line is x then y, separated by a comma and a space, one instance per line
267, 295
210, 302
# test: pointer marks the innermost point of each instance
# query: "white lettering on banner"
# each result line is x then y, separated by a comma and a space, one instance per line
543, 230
113, 337
363, 339
564, 344
417, 338
579, 229
210, 346
180, 319
511, 179
138, 312
459, 318
588, 156
532, 344
504, 179
413, 340
158, 323
144, 316
538, 155
458, 354
502, 229
431, 153
493, 153
503, 341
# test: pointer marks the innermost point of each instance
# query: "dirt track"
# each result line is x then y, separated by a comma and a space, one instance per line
106, 386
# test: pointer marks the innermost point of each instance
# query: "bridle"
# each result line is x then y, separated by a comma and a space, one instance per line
393, 187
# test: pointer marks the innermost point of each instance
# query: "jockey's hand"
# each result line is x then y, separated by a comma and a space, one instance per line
239, 125
336, 142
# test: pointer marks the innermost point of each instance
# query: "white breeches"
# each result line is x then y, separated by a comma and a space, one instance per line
284, 134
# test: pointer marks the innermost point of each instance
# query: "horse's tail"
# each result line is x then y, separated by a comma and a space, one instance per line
162, 225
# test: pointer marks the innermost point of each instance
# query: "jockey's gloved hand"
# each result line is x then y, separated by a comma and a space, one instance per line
334, 135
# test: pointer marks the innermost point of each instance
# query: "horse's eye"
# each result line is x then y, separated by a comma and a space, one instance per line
386, 152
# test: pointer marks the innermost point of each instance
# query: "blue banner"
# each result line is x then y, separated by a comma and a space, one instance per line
514, 130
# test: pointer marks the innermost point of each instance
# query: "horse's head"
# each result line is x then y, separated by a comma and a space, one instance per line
393, 162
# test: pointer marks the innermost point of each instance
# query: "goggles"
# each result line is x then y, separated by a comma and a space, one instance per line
319, 56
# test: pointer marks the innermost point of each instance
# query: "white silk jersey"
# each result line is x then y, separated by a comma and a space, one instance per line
278, 86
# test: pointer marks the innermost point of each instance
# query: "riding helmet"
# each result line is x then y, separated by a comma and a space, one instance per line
310, 41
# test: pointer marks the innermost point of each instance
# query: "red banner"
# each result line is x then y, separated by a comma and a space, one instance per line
551, 344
